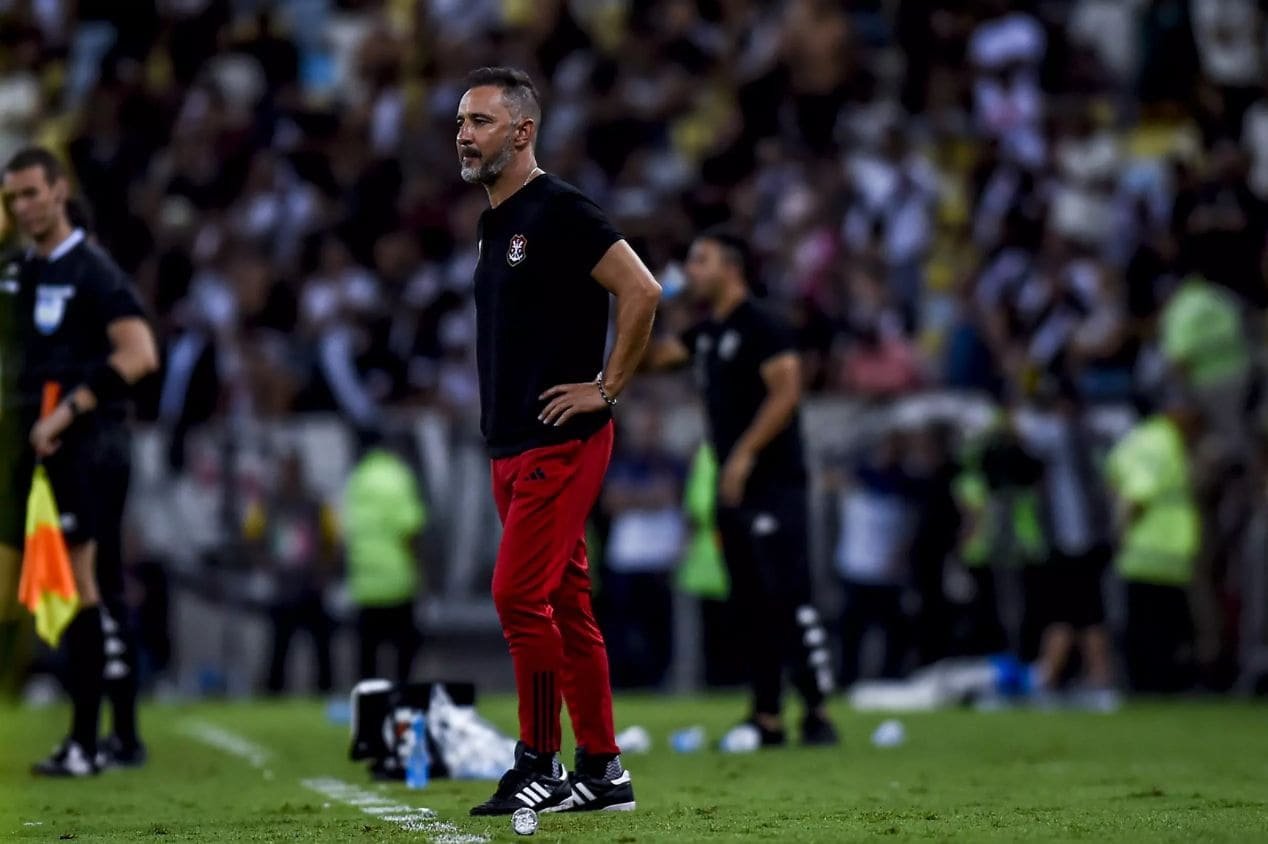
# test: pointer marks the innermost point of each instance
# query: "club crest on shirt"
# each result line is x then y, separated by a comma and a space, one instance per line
729, 345
517, 251
50, 306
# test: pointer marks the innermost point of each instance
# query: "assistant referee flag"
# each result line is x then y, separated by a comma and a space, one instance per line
47, 587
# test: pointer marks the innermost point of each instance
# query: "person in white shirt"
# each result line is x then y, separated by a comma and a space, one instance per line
877, 522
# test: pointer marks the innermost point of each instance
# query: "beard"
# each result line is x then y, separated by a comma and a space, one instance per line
39, 228
486, 171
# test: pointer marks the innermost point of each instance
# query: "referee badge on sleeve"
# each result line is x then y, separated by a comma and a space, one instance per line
517, 251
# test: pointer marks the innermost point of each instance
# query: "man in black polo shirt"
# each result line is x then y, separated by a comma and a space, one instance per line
750, 374
82, 330
549, 259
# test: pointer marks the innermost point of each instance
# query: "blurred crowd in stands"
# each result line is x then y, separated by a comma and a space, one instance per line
1061, 204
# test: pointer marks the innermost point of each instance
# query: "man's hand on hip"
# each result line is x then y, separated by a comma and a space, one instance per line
568, 400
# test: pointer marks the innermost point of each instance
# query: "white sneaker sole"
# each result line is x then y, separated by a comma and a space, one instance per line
576, 804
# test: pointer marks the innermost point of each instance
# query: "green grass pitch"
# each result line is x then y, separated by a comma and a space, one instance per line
1153, 772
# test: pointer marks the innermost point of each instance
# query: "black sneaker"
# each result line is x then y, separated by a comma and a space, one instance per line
818, 732
113, 753
600, 786
69, 759
528, 786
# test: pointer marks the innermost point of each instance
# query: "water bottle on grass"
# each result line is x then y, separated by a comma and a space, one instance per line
418, 763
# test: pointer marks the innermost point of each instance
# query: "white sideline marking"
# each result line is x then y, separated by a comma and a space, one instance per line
229, 742
379, 806
375, 805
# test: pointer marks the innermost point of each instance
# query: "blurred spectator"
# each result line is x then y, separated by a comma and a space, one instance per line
822, 67
999, 497
1229, 37
338, 297
1149, 471
1006, 50
645, 540
891, 217
1069, 611
1224, 228
20, 47
1204, 342
935, 536
383, 516
1169, 64
877, 508
1088, 163
293, 536
878, 358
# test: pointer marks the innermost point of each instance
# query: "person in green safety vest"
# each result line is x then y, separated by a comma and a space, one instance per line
1149, 471
998, 493
383, 514
1204, 341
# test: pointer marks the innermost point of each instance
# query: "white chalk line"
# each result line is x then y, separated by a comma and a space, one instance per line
381, 807
378, 806
227, 741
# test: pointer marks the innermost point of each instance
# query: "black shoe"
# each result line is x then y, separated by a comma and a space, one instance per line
529, 786
113, 753
69, 759
818, 732
600, 785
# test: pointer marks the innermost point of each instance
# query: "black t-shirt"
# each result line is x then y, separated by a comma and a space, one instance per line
65, 304
728, 358
541, 318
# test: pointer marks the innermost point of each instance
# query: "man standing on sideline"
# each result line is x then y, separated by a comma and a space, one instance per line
83, 330
750, 374
548, 259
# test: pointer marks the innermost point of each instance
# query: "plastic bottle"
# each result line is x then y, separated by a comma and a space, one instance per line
688, 740
418, 763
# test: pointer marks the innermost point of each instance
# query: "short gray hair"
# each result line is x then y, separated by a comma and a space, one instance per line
518, 90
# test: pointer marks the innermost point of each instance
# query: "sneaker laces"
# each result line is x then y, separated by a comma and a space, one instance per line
512, 781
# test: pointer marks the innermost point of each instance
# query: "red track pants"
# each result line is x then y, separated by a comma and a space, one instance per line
541, 588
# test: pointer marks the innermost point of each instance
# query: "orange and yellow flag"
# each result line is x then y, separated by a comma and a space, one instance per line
47, 587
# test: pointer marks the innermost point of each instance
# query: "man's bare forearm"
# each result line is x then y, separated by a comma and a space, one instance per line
774, 415
635, 313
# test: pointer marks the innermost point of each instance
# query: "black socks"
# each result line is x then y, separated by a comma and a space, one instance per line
120, 678
85, 658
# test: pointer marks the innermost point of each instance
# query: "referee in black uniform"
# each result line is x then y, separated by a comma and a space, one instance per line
749, 371
81, 328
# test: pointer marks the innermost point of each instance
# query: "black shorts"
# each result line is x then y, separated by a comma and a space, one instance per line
89, 475
764, 542
1067, 590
